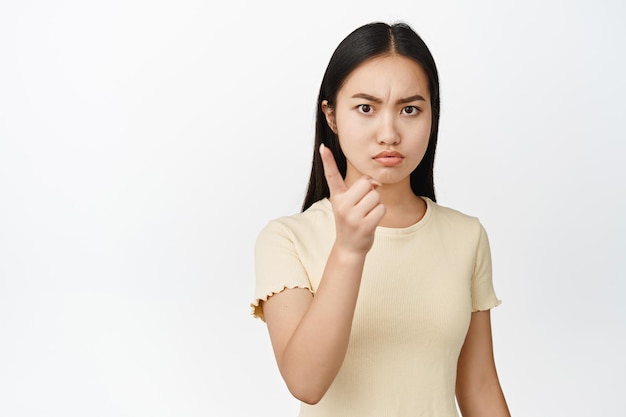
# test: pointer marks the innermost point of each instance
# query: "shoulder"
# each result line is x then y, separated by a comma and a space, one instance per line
454, 220
316, 218
448, 214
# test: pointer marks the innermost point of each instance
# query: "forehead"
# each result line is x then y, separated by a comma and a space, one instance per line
387, 76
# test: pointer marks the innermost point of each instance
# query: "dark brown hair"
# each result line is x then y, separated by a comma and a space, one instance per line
367, 42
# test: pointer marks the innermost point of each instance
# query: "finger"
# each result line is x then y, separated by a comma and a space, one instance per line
367, 203
331, 172
358, 190
376, 214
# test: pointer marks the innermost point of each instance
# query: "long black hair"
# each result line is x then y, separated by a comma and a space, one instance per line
366, 42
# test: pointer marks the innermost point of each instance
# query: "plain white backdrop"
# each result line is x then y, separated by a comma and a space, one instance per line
143, 145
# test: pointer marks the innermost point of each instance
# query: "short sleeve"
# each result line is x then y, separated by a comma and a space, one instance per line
483, 293
277, 265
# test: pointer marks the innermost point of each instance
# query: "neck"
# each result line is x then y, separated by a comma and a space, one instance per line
403, 207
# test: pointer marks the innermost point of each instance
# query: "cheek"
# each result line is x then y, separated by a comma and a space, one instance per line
426, 127
351, 132
419, 132
419, 138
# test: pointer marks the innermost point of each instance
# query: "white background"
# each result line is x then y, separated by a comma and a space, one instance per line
143, 144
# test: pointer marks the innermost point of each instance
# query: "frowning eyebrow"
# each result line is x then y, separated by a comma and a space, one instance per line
416, 97
368, 97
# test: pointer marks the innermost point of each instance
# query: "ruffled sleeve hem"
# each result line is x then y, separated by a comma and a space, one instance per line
257, 309
486, 305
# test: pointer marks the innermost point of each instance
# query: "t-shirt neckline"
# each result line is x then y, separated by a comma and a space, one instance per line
381, 230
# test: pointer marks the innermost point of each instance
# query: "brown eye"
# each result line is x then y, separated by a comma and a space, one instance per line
410, 110
365, 108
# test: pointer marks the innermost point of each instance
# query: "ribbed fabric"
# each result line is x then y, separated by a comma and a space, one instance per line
419, 287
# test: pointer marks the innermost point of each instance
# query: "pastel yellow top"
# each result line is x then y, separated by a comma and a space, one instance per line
420, 285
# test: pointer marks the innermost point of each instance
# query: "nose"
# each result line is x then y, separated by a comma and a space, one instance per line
387, 131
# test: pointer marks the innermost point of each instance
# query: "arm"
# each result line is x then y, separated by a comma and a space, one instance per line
310, 334
478, 389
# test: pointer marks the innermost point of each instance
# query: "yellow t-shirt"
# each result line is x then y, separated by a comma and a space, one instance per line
420, 285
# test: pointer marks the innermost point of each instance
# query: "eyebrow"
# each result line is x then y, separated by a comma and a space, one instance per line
416, 97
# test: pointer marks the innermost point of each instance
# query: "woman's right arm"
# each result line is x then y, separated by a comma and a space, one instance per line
309, 333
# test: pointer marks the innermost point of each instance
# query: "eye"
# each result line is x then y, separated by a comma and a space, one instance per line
365, 108
410, 110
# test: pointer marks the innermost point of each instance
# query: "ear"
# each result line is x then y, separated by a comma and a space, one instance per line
329, 112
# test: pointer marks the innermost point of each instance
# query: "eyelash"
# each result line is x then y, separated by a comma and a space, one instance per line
362, 107
415, 110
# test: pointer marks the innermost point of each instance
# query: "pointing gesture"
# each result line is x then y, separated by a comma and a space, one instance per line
357, 209
331, 172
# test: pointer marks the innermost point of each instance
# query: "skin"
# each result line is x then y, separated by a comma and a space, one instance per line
383, 105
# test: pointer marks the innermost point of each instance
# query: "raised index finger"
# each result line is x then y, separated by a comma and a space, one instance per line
331, 172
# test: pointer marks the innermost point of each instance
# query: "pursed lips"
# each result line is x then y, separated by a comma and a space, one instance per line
388, 158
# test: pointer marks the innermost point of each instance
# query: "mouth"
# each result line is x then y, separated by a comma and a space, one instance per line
389, 158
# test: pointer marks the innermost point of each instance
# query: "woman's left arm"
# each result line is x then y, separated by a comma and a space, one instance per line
478, 389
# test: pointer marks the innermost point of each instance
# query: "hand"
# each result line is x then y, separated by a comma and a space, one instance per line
357, 209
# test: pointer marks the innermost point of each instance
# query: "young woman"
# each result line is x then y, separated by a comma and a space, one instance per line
376, 298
